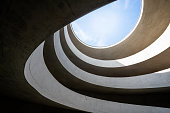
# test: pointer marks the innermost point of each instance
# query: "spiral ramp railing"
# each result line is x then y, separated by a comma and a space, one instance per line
118, 79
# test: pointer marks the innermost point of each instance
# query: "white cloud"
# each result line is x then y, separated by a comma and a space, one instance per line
87, 38
81, 35
105, 26
100, 43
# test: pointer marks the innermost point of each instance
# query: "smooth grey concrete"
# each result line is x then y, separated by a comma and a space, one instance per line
126, 71
26, 24
39, 77
56, 73
70, 82
158, 46
138, 82
154, 20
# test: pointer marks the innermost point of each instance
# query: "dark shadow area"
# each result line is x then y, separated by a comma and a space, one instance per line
150, 97
13, 105
158, 99
137, 69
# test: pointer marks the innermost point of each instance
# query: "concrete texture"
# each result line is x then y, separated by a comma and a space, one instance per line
39, 77
39, 68
54, 62
125, 71
67, 69
26, 24
158, 46
154, 20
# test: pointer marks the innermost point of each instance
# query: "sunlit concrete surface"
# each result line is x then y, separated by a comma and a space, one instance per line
24, 26
139, 82
161, 44
44, 67
129, 77
39, 77
163, 71
141, 68
145, 33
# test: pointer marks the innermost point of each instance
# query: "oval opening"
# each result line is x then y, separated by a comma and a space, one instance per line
109, 24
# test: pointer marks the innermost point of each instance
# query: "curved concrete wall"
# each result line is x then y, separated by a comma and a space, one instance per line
24, 26
124, 71
70, 73
125, 82
161, 44
40, 78
147, 31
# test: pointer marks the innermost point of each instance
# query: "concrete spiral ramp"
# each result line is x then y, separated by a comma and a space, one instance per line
115, 79
43, 61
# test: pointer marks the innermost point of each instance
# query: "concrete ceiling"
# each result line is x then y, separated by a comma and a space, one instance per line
24, 25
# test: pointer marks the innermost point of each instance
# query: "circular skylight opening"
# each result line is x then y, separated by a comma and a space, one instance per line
109, 24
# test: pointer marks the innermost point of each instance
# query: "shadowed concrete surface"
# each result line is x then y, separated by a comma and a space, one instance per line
142, 96
39, 72
24, 25
13, 105
38, 75
132, 70
154, 20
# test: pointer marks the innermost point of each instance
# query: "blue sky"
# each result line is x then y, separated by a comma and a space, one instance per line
108, 24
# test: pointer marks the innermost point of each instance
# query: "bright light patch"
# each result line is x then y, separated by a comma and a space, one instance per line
109, 24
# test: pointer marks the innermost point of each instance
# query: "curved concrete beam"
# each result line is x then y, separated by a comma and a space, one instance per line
40, 77
54, 76
24, 25
78, 76
161, 44
147, 31
126, 71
